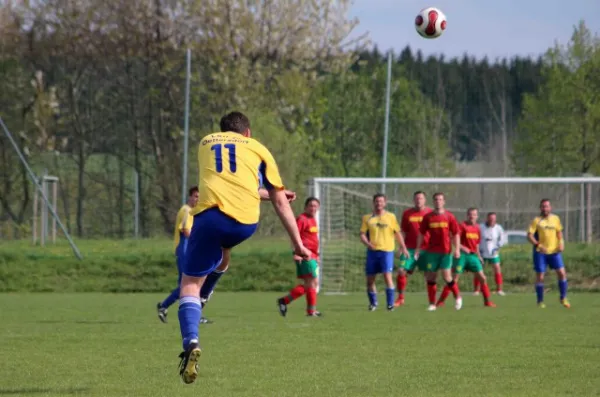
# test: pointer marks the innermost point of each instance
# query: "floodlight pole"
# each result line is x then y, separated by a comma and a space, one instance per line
386, 128
186, 126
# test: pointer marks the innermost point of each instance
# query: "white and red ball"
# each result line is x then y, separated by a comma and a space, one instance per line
430, 23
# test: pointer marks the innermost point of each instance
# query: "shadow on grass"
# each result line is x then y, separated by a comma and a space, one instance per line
40, 390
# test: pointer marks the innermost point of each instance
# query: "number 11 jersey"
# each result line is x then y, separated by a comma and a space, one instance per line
231, 169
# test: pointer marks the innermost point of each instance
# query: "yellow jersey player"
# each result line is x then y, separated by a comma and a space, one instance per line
545, 233
232, 166
183, 228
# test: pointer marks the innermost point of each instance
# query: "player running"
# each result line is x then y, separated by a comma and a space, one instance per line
470, 259
306, 269
377, 233
409, 227
443, 233
492, 239
231, 166
545, 233
183, 227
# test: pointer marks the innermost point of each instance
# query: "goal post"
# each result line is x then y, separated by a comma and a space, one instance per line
514, 200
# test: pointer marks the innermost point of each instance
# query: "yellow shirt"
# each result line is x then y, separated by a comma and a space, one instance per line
546, 231
380, 230
183, 221
232, 168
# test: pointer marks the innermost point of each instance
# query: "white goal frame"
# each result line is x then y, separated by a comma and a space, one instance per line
319, 181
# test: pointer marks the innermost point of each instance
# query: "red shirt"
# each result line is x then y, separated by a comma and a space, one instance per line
308, 229
440, 228
411, 221
470, 235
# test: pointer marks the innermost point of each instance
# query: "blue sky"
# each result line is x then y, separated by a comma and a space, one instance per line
496, 28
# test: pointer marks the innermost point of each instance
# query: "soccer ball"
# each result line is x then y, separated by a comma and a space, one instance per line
430, 23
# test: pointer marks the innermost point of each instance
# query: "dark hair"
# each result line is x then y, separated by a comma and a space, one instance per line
193, 189
310, 200
472, 209
491, 213
378, 195
438, 194
544, 200
419, 192
235, 122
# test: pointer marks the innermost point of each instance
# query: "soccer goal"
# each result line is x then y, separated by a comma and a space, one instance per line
514, 200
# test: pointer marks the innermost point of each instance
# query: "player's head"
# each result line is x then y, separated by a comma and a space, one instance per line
235, 122
379, 202
193, 196
545, 207
491, 218
311, 206
472, 215
419, 199
439, 201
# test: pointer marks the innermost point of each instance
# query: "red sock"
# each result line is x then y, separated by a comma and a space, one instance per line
444, 294
455, 290
485, 290
311, 300
498, 277
401, 281
294, 294
476, 284
431, 292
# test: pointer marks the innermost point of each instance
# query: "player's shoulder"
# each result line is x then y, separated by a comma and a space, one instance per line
184, 208
554, 217
390, 214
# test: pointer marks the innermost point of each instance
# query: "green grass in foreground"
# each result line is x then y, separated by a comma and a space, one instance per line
113, 345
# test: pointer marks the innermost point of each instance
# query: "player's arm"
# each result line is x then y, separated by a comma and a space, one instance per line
264, 194
364, 227
402, 245
502, 239
186, 224
423, 228
404, 224
531, 237
455, 231
559, 236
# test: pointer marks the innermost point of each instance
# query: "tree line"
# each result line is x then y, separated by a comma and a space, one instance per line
94, 93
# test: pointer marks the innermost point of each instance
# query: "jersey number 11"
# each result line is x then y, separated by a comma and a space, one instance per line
218, 149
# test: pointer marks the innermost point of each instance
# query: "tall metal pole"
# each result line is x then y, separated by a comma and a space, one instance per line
186, 126
136, 205
386, 128
37, 185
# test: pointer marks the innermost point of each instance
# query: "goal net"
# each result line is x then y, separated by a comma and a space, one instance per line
515, 201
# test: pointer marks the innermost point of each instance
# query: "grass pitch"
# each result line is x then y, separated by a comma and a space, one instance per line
113, 345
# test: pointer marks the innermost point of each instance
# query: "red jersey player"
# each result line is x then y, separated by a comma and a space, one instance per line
443, 234
409, 226
306, 269
470, 258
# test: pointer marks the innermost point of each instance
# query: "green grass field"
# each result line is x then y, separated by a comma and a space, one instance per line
113, 345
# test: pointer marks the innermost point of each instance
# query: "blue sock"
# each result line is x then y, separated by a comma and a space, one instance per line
389, 296
372, 298
190, 313
210, 283
539, 291
173, 296
562, 287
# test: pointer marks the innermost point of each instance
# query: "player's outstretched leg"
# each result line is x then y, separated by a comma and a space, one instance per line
310, 285
371, 292
401, 281
499, 280
476, 286
162, 307
453, 286
561, 275
485, 289
430, 279
294, 294
190, 312
390, 292
539, 266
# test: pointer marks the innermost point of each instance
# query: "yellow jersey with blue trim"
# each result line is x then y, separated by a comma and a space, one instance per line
231, 169
545, 230
183, 220
380, 230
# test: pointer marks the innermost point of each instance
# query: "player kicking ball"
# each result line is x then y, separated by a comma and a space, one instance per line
545, 234
231, 166
306, 269
377, 233
443, 233
409, 227
470, 259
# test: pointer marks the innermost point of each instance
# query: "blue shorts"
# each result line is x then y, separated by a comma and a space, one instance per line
180, 256
379, 262
212, 231
540, 261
